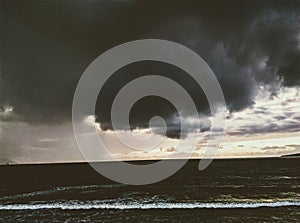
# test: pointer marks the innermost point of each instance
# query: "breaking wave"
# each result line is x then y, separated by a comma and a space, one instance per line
135, 205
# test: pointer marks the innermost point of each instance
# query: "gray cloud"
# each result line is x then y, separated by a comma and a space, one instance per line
290, 126
46, 46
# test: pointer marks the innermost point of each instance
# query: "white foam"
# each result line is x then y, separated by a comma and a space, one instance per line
145, 206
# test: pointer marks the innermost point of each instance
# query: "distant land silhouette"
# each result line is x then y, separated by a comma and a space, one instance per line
294, 155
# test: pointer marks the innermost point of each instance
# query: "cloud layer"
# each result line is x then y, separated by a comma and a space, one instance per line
252, 46
46, 46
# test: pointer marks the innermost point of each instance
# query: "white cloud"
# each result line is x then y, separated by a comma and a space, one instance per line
270, 113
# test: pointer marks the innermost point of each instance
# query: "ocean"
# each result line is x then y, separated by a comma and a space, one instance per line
229, 190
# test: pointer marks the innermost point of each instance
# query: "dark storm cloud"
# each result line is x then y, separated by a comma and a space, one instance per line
46, 46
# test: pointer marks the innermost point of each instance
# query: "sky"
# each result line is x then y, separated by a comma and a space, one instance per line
253, 48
